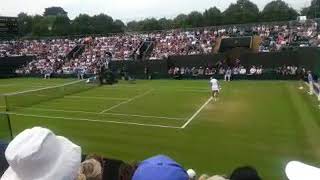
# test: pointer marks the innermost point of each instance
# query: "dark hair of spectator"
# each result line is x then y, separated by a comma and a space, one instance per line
245, 173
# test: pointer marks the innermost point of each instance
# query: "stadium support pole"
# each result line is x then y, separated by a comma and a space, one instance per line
8, 116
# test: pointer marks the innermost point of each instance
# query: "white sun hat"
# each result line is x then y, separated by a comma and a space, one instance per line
38, 154
299, 171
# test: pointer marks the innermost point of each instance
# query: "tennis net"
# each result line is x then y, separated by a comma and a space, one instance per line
31, 97
5, 128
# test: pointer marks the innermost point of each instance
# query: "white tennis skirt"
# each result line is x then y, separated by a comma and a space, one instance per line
214, 88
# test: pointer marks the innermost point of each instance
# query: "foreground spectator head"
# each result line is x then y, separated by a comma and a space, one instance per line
245, 173
160, 168
216, 177
38, 154
90, 170
126, 171
203, 177
297, 171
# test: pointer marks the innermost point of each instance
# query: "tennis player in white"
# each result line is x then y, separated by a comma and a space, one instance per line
215, 88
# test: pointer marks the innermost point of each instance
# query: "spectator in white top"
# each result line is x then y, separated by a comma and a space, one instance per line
236, 70
243, 70
227, 76
182, 70
221, 71
253, 70
259, 70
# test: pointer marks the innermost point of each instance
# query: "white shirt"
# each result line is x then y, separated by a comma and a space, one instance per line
243, 71
214, 84
253, 70
259, 71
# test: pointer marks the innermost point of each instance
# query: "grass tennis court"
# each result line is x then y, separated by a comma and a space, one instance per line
259, 123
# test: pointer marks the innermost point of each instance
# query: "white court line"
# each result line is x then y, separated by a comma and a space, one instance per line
169, 87
125, 102
83, 97
184, 88
94, 120
7, 85
28, 85
116, 114
196, 113
96, 97
192, 91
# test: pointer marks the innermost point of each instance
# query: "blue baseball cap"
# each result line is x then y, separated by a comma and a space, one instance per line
160, 167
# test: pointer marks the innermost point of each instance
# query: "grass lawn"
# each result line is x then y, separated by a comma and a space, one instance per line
260, 123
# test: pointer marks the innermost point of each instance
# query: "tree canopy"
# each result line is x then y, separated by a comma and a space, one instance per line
55, 20
24, 24
181, 21
244, 11
195, 19
313, 11
61, 25
166, 23
212, 17
278, 10
101, 24
82, 24
54, 11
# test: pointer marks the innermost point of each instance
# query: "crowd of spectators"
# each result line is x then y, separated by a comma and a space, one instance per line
290, 70
294, 34
101, 48
39, 154
51, 54
209, 71
178, 72
274, 37
178, 42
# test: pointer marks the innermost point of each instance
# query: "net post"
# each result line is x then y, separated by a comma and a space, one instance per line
8, 117
10, 127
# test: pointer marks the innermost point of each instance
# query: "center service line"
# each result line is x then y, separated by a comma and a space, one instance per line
125, 102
